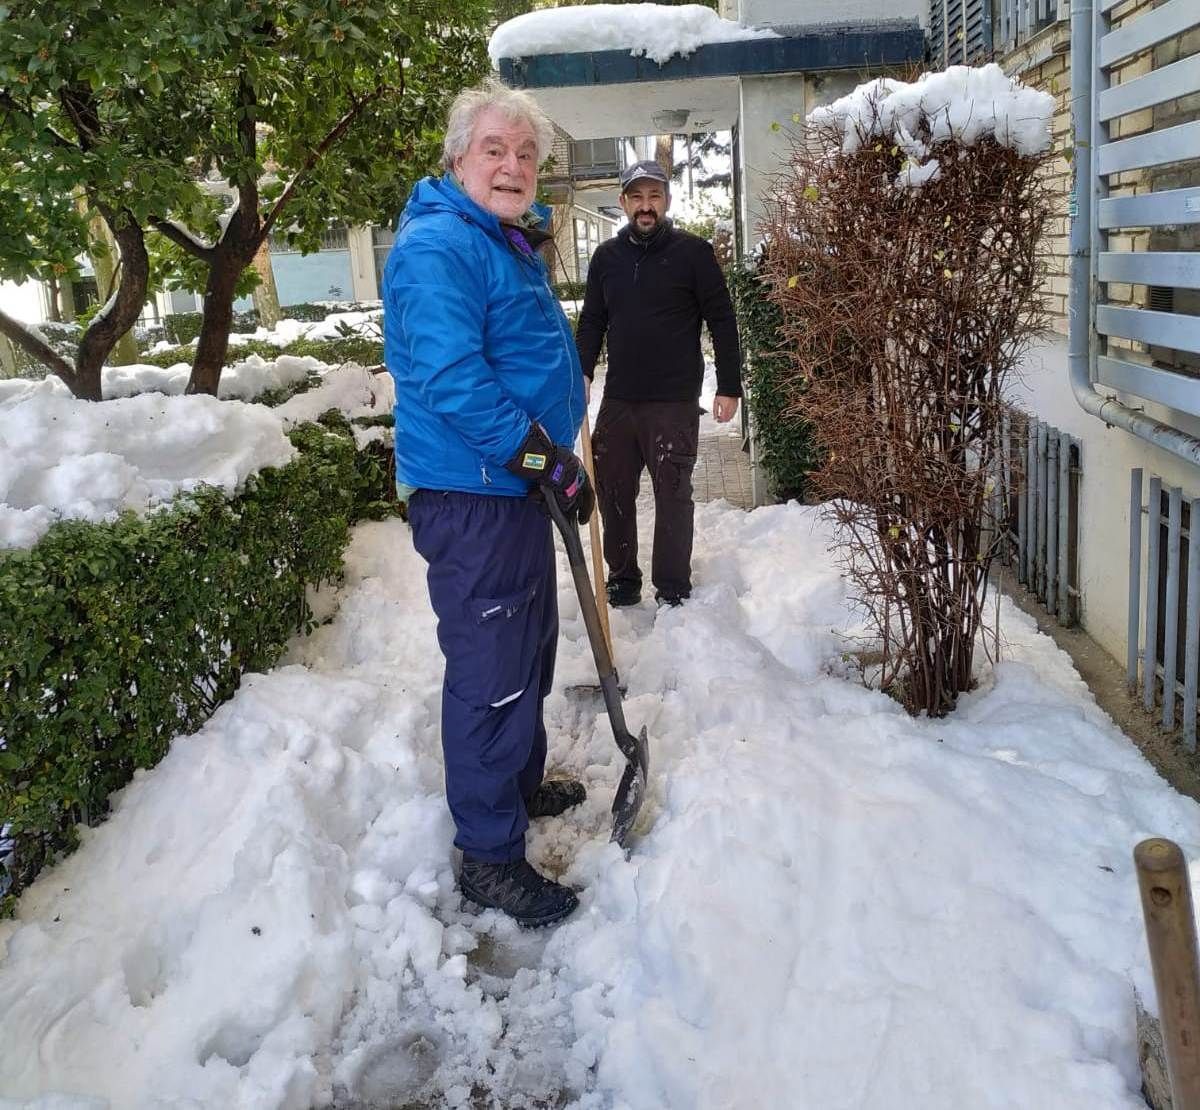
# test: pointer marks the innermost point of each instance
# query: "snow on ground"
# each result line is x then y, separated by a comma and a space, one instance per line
655, 31
829, 903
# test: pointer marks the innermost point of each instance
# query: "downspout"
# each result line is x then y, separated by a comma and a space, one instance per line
1079, 309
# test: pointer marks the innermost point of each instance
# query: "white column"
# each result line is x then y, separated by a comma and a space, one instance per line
364, 285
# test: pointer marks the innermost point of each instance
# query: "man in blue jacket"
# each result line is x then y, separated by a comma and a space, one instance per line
489, 398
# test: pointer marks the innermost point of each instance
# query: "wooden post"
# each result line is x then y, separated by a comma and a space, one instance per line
1171, 936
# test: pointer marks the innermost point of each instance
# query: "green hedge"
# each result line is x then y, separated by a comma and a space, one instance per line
182, 328
785, 442
119, 636
361, 349
569, 290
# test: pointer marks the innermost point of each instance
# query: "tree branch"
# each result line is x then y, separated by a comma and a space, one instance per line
35, 345
182, 238
7, 101
80, 106
319, 151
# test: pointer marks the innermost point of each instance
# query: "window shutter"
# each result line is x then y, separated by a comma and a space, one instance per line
960, 32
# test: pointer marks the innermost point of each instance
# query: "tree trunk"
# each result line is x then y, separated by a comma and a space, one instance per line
53, 304
664, 153
105, 255
266, 294
240, 242
8, 358
213, 342
107, 328
66, 301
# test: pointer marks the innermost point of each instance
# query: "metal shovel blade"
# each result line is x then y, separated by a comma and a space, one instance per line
631, 791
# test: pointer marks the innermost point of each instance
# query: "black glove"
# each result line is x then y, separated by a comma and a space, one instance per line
557, 470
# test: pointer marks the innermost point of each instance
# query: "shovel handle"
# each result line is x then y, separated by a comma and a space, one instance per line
568, 528
585, 442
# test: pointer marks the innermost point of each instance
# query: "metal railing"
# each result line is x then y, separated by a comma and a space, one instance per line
332, 239
1169, 340
1169, 618
1037, 503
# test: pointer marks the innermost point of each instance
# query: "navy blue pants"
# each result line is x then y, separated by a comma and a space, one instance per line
492, 585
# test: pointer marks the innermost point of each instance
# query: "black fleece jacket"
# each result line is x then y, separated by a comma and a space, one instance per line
649, 298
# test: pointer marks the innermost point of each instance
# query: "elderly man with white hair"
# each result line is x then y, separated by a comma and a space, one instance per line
489, 398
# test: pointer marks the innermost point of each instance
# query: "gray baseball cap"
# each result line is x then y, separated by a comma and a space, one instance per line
640, 170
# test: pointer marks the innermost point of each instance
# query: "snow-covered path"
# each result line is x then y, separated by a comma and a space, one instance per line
830, 905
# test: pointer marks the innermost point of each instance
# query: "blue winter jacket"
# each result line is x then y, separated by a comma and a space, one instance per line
478, 346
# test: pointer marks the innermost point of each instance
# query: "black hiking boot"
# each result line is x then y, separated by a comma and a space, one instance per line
623, 592
516, 889
555, 796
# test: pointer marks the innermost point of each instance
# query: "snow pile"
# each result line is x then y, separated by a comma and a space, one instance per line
830, 904
367, 322
352, 389
61, 458
243, 380
963, 103
655, 31
65, 458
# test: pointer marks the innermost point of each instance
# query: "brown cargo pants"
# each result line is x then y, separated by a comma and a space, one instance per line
660, 436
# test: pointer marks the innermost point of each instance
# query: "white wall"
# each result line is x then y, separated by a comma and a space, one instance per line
764, 149
1107, 455
25, 302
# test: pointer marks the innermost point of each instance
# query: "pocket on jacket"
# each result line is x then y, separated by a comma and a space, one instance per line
501, 639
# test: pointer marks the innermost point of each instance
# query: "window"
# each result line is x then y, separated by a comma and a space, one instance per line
381, 244
587, 239
595, 158
1019, 20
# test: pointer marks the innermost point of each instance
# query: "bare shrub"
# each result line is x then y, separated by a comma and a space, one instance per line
905, 307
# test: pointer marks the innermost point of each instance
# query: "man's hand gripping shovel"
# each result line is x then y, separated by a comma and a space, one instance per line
631, 790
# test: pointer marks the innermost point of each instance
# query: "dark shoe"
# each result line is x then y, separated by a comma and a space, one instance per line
673, 600
621, 594
555, 796
516, 889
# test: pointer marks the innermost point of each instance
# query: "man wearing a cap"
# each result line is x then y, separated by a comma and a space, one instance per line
648, 289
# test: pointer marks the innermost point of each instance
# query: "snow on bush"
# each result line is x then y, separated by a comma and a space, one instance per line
904, 311
84, 460
962, 103
61, 458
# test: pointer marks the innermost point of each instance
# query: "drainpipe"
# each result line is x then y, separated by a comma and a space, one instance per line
1111, 411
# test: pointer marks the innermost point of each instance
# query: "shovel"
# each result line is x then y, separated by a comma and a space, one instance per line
601, 595
631, 790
